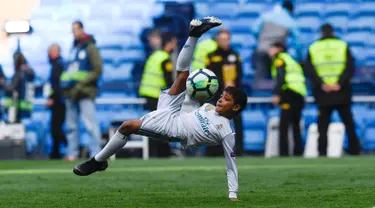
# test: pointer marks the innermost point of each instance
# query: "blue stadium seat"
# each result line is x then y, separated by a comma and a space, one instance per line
127, 26
131, 56
201, 9
309, 23
241, 25
339, 8
339, 22
42, 71
255, 130
221, 10
361, 23
111, 54
244, 40
309, 9
368, 142
138, 10
370, 56
125, 115
247, 69
366, 8
253, 118
104, 11
112, 94
254, 140
112, 42
356, 37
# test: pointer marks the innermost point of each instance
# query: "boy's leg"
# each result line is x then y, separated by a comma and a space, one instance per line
118, 140
197, 28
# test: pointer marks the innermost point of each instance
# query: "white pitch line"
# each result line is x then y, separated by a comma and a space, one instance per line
173, 168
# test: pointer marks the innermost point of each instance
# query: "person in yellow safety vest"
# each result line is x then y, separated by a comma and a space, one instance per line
201, 53
288, 93
330, 65
157, 75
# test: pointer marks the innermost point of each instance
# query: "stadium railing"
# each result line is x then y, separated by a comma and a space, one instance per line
250, 100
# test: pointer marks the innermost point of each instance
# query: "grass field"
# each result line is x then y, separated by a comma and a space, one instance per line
286, 182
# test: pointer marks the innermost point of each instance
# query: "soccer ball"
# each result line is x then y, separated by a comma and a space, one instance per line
202, 85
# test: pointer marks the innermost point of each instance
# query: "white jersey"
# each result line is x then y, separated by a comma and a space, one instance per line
202, 127
205, 127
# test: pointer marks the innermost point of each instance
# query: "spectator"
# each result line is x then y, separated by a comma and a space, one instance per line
155, 39
19, 94
226, 64
79, 83
289, 92
271, 27
55, 101
330, 66
156, 76
2, 83
201, 53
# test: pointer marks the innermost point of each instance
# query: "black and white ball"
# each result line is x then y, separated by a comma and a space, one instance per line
202, 85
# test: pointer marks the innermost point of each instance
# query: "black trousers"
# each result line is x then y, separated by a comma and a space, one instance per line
58, 135
156, 148
291, 105
324, 119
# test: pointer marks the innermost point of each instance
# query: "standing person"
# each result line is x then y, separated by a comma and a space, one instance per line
19, 94
2, 83
55, 101
190, 129
330, 66
79, 83
157, 75
289, 92
271, 27
225, 62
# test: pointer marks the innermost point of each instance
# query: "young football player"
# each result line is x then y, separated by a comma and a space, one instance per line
208, 125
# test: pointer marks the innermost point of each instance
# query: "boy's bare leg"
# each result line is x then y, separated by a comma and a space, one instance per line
197, 28
118, 140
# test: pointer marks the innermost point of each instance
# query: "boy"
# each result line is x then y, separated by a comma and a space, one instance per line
205, 126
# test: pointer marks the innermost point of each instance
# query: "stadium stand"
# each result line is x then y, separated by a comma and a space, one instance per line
118, 27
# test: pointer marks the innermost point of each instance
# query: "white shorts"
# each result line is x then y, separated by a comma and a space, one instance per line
159, 124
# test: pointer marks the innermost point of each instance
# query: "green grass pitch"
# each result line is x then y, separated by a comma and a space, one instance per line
278, 182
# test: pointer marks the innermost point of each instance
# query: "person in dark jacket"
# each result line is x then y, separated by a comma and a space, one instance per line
227, 66
330, 66
79, 83
2, 83
19, 93
55, 101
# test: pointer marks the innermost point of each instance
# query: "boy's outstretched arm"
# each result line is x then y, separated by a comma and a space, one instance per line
232, 174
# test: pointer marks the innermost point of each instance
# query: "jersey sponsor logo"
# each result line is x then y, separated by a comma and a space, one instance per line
209, 108
186, 46
204, 123
232, 154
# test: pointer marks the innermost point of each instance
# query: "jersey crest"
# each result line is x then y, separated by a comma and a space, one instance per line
209, 108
